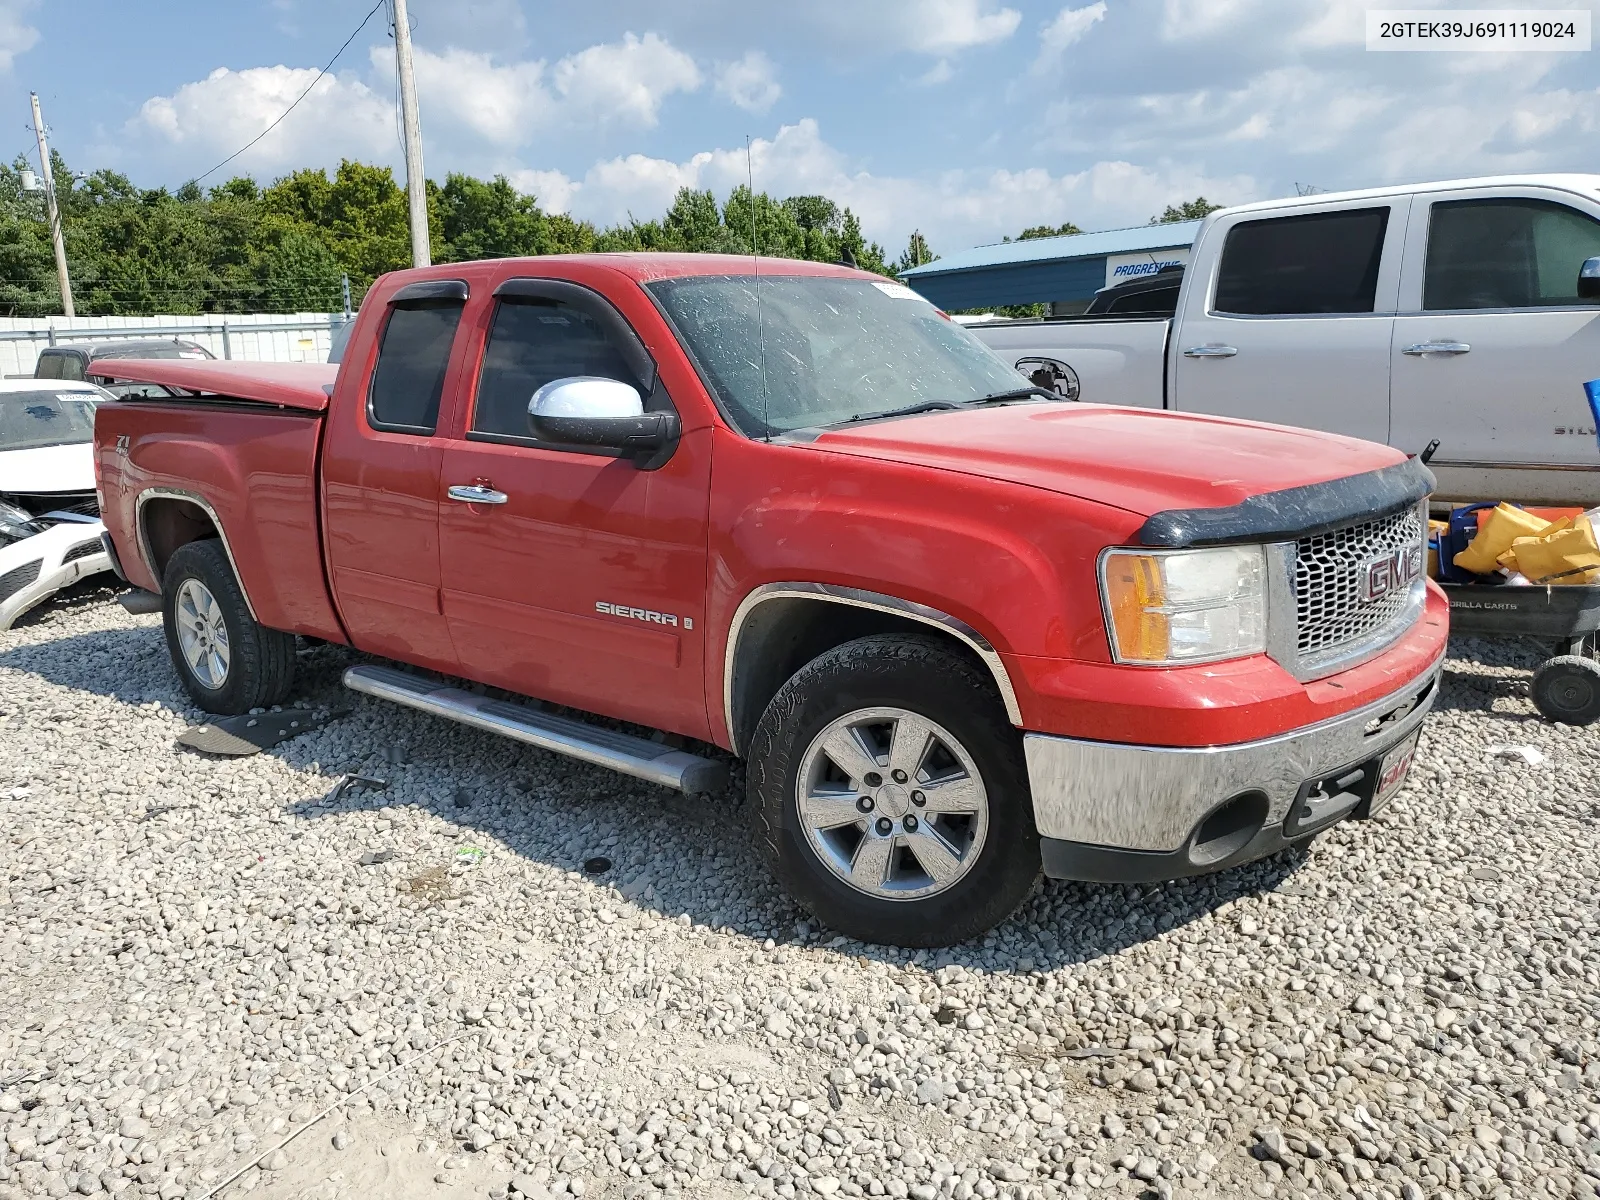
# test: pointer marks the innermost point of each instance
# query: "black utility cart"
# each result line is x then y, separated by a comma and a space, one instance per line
1566, 687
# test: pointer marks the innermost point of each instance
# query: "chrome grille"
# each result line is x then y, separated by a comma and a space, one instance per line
1333, 619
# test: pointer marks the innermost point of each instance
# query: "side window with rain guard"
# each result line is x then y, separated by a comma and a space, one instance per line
532, 343
412, 358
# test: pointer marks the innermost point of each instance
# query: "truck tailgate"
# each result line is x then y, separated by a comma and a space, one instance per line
253, 466
1117, 361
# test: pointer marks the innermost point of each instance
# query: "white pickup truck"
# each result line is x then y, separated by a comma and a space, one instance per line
1466, 312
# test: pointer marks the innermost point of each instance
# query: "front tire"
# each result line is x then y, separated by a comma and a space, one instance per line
890, 796
228, 662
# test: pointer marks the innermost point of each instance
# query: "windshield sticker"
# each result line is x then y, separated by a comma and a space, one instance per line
896, 291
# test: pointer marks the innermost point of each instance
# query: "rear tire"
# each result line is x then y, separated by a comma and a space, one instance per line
1567, 689
834, 772
228, 661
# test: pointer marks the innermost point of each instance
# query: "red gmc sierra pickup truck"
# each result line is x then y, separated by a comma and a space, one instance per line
960, 630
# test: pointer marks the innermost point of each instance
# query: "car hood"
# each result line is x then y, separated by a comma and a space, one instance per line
1141, 460
48, 469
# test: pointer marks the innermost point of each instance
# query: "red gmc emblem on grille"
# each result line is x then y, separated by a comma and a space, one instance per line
1390, 572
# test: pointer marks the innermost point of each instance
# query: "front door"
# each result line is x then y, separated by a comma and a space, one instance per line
1492, 347
583, 580
381, 487
1293, 325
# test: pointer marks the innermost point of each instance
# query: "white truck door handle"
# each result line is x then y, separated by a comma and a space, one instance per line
1210, 352
1437, 348
476, 493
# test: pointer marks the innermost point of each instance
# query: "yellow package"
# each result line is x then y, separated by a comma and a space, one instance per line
1497, 529
1568, 557
1508, 560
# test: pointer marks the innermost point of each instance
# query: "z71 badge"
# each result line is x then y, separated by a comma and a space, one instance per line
648, 615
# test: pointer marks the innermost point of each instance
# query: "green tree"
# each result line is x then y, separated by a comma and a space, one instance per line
694, 222
1188, 210
916, 253
1044, 231
244, 247
490, 219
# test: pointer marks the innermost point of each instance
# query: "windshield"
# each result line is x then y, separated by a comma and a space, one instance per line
29, 420
826, 349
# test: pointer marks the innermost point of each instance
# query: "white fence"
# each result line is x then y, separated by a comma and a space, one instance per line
262, 337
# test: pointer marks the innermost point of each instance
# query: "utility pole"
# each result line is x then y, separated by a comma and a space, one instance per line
54, 212
416, 181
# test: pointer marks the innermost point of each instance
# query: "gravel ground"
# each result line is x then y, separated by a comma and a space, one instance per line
196, 963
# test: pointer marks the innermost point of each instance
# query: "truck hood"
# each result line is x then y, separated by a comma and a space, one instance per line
48, 469
1139, 460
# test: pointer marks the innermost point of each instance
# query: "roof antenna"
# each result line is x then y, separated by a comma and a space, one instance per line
755, 262
847, 258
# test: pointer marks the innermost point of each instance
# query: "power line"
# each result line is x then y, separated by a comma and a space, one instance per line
298, 98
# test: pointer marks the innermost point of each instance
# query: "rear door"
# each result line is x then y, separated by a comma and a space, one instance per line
1291, 321
1492, 346
380, 490
584, 582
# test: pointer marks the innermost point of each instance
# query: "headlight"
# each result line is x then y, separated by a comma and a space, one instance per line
1167, 607
16, 524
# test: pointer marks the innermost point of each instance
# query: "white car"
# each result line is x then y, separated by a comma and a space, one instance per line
1465, 312
49, 525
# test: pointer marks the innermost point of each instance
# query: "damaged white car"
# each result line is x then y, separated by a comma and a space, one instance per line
49, 518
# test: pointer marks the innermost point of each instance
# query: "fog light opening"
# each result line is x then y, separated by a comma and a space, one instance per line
1229, 829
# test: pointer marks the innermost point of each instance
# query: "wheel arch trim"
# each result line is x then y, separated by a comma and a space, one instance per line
858, 598
200, 502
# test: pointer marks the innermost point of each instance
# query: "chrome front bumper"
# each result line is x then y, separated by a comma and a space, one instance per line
1153, 800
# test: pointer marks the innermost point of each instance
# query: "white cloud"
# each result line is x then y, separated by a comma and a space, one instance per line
220, 113
553, 190
501, 104
750, 82
16, 35
1068, 28
624, 81
934, 27
940, 72
497, 104
621, 83
954, 209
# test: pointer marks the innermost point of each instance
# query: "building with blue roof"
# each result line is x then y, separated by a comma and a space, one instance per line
1063, 272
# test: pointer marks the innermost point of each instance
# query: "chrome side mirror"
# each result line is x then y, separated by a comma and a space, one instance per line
1589, 279
606, 414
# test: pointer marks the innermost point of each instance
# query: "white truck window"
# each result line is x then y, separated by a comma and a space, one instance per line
1505, 253
1318, 263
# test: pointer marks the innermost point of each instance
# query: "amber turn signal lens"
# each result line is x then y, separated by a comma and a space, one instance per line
1134, 597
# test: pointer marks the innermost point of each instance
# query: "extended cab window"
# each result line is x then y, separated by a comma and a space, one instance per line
532, 343
409, 377
1506, 254
1292, 266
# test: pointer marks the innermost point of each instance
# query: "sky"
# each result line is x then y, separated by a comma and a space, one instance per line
965, 119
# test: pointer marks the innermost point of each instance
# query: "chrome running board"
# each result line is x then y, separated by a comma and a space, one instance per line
622, 752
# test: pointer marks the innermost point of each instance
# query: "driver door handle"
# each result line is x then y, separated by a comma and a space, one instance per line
1210, 352
1437, 348
476, 493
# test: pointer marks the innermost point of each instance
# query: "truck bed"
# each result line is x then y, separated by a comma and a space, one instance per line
251, 461
1118, 360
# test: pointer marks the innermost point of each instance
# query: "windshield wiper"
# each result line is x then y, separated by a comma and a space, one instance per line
920, 407
1018, 394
